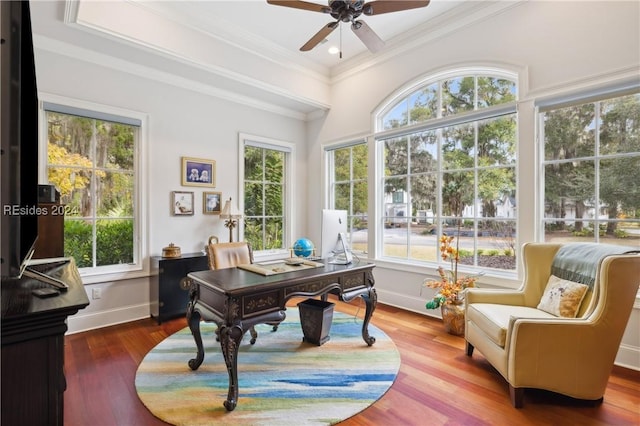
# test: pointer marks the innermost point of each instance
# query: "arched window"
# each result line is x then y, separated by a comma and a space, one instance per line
448, 150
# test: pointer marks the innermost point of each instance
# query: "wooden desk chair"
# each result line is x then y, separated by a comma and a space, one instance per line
230, 255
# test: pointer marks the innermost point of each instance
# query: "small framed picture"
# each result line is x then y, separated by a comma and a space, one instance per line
211, 202
198, 172
181, 203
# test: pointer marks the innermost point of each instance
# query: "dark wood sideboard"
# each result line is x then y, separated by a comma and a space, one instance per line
168, 298
33, 329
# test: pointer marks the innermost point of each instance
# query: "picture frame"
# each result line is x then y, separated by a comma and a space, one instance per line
198, 172
211, 202
182, 203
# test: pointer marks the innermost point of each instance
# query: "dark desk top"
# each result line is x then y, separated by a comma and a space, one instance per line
235, 281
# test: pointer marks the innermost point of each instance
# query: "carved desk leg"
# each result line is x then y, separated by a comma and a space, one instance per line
230, 338
193, 319
371, 301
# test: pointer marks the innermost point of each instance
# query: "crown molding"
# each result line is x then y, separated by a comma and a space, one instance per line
107, 61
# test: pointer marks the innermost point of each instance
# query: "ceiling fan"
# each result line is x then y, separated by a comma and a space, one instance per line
349, 11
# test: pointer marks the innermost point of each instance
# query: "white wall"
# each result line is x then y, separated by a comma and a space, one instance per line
181, 123
555, 47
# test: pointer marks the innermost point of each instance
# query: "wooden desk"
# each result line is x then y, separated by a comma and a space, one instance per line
236, 300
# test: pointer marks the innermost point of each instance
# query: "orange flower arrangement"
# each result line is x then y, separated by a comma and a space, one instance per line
451, 287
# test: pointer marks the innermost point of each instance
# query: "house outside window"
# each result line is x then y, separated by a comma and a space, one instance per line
449, 168
348, 189
266, 170
91, 160
591, 170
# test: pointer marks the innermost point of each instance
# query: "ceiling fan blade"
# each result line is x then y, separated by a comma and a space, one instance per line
305, 5
368, 37
387, 6
320, 35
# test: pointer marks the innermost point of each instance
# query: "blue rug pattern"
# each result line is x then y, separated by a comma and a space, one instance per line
282, 380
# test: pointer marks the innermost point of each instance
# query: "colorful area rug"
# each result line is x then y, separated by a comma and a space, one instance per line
282, 380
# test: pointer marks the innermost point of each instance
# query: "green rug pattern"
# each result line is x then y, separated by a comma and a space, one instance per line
282, 380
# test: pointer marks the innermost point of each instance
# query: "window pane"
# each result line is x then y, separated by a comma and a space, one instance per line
458, 95
620, 189
342, 164
569, 132
78, 241
495, 91
424, 195
274, 165
424, 242
114, 145
72, 135
457, 194
274, 234
458, 146
274, 195
564, 231
342, 196
497, 244
114, 241
496, 187
253, 199
395, 240
620, 129
396, 157
253, 165
424, 104
497, 141
424, 152
570, 190
397, 117
117, 197
253, 233
359, 161
360, 198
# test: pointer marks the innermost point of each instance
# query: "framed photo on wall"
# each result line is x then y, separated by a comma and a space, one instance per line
211, 202
198, 172
181, 203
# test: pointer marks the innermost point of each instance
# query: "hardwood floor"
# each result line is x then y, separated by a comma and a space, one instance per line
437, 383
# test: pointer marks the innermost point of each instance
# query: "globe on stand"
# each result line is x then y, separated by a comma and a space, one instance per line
303, 247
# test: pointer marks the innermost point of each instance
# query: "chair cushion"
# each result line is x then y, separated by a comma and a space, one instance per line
494, 319
562, 298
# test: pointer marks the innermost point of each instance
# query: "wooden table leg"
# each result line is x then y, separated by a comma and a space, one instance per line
371, 300
230, 338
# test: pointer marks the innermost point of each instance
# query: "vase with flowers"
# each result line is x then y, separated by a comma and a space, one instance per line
451, 287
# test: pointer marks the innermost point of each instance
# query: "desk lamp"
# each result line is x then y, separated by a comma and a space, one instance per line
231, 217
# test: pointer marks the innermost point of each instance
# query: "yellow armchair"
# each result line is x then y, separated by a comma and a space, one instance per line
532, 348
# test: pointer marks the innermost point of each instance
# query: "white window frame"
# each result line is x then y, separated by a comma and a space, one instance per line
140, 265
289, 149
380, 134
329, 169
563, 101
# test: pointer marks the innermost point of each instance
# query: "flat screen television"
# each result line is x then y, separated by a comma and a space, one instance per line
19, 134
335, 247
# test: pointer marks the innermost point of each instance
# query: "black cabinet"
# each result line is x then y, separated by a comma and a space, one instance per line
168, 299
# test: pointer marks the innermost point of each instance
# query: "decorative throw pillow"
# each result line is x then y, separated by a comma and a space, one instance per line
562, 298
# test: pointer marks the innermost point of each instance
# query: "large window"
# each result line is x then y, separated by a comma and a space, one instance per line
448, 168
91, 160
591, 168
348, 190
266, 193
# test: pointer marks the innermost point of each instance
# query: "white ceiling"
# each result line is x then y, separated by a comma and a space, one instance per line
246, 51
261, 26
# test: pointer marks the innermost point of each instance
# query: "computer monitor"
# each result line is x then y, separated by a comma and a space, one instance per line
334, 243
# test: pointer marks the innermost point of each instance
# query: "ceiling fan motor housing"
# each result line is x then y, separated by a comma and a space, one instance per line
346, 10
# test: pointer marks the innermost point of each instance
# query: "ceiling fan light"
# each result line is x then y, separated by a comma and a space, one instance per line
334, 50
